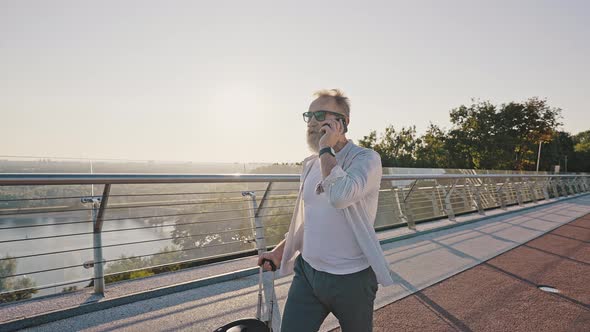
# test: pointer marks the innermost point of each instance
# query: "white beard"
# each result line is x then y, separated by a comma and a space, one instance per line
313, 140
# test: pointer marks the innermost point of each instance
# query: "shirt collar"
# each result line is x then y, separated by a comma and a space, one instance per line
344, 151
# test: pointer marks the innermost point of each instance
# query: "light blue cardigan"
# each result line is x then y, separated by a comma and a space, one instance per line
352, 185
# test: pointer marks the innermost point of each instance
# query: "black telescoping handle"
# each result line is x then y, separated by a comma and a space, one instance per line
272, 264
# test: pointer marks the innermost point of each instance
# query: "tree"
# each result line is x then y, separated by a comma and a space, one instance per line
471, 140
582, 141
217, 227
482, 136
485, 136
560, 147
528, 124
69, 289
396, 148
16, 288
122, 269
222, 227
432, 151
580, 161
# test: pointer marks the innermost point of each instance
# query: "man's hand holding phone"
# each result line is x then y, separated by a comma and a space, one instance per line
333, 130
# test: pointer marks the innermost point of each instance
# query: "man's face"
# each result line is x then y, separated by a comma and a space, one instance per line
313, 126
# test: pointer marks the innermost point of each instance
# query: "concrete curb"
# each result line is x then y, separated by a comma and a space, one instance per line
25, 322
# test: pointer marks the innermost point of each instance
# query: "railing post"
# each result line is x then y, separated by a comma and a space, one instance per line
98, 207
263, 200
519, 195
464, 194
554, 186
487, 183
448, 207
259, 229
545, 187
408, 213
532, 190
570, 189
500, 193
256, 208
433, 197
564, 186
478, 204
397, 204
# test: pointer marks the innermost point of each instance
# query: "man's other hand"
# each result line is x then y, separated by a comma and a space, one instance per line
275, 257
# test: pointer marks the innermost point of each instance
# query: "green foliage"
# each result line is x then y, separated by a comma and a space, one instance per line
123, 268
471, 138
580, 161
225, 225
582, 141
397, 148
560, 147
487, 136
432, 151
69, 289
16, 288
199, 236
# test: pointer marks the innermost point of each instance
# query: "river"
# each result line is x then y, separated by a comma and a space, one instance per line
30, 246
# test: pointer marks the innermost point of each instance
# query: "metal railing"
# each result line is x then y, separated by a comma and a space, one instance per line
220, 221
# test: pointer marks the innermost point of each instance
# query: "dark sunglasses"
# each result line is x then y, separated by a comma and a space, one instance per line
319, 115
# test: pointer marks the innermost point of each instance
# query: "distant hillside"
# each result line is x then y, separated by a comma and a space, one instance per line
68, 166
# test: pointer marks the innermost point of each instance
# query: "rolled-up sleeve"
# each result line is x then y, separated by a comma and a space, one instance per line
347, 187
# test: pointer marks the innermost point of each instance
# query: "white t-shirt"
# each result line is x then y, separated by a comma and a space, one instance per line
329, 245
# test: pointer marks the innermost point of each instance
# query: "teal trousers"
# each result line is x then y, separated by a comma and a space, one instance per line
314, 294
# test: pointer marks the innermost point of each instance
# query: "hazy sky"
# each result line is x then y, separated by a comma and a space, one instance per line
227, 81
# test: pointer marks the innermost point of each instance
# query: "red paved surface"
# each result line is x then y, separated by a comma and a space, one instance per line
502, 295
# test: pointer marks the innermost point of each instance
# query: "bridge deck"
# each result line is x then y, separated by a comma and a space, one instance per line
450, 259
502, 294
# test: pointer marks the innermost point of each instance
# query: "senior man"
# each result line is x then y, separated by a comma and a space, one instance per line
331, 244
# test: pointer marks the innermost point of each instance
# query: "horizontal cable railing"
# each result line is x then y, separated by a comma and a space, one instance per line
55, 232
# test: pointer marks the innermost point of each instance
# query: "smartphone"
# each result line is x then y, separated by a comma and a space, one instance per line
342, 121
344, 124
